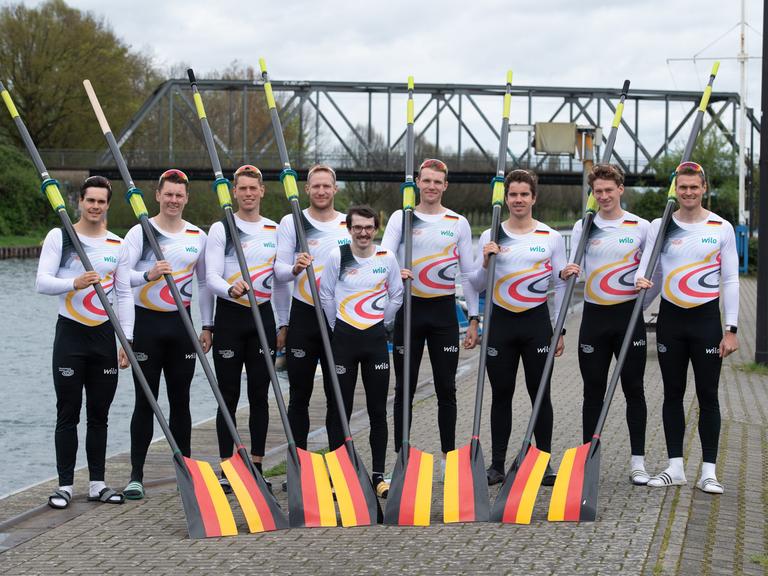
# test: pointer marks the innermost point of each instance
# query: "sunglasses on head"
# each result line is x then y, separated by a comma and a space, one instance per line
173, 172
434, 164
247, 168
690, 167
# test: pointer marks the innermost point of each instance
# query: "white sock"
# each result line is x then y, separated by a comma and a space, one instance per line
637, 462
60, 501
708, 470
95, 486
676, 468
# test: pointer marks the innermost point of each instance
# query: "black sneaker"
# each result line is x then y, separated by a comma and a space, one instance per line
225, 485
494, 476
284, 486
549, 477
269, 485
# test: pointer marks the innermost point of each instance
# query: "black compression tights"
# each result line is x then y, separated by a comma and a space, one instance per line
236, 343
514, 336
434, 322
600, 338
683, 335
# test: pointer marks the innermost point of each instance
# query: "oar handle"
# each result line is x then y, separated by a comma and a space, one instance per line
221, 186
51, 189
652, 261
608, 152
134, 197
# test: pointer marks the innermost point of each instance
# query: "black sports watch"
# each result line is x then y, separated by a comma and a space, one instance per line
731, 328
476, 318
209, 328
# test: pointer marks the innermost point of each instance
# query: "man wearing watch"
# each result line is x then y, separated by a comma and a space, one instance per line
699, 265
236, 342
161, 343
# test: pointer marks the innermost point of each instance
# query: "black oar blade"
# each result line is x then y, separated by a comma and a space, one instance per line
409, 502
465, 488
310, 499
260, 508
357, 501
568, 491
514, 504
591, 485
205, 504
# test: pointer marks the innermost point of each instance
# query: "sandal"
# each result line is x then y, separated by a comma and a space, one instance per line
639, 477
107, 496
710, 486
59, 495
664, 479
134, 490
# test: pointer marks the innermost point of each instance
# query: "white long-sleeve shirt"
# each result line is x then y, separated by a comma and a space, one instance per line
441, 242
698, 261
361, 291
184, 251
526, 265
59, 266
259, 242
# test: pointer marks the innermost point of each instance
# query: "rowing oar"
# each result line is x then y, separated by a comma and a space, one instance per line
259, 506
205, 505
574, 496
357, 501
310, 500
466, 484
409, 501
515, 501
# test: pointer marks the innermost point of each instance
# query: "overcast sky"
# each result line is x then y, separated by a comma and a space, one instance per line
586, 43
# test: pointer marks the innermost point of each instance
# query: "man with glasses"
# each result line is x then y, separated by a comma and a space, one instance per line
698, 264
160, 341
326, 230
235, 340
442, 241
361, 291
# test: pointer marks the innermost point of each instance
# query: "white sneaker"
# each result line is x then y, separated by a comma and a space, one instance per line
664, 479
639, 477
710, 486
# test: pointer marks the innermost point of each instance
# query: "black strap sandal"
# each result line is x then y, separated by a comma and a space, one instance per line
108, 496
59, 495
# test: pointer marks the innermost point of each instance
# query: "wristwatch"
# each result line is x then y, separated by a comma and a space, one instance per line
731, 328
476, 318
209, 328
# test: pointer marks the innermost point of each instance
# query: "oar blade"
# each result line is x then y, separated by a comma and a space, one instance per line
465, 489
310, 499
589, 492
409, 502
205, 504
358, 505
514, 504
565, 503
262, 513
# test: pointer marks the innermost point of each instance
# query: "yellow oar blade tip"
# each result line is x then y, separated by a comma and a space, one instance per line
509, 76
263, 64
410, 82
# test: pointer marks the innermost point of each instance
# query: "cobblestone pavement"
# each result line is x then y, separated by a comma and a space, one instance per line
639, 530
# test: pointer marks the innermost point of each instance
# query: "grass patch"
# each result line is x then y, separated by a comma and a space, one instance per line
26, 240
754, 368
280, 469
761, 559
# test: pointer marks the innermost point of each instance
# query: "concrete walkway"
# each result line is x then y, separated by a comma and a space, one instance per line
639, 530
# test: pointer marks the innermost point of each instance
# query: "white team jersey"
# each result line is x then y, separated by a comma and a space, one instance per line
60, 265
259, 242
442, 244
322, 239
184, 251
612, 255
696, 261
525, 267
361, 291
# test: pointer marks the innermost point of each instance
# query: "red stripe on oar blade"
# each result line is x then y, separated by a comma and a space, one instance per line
576, 485
410, 485
355, 490
267, 521
309, 490
204, 501
518, 485
466, 486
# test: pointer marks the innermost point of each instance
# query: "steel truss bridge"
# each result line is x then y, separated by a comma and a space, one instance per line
359, 128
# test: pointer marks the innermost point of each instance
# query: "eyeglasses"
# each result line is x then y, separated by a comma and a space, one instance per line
173, 172
690, 167
248, 168
357, 228
434, 164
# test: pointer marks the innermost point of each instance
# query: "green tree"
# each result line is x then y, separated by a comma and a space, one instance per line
23, 209
45, 53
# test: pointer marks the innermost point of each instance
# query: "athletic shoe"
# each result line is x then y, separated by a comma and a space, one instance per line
225, 485
382, 489
549, 477
284, 486
664, 479
639, 477
494, 476
710, 486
